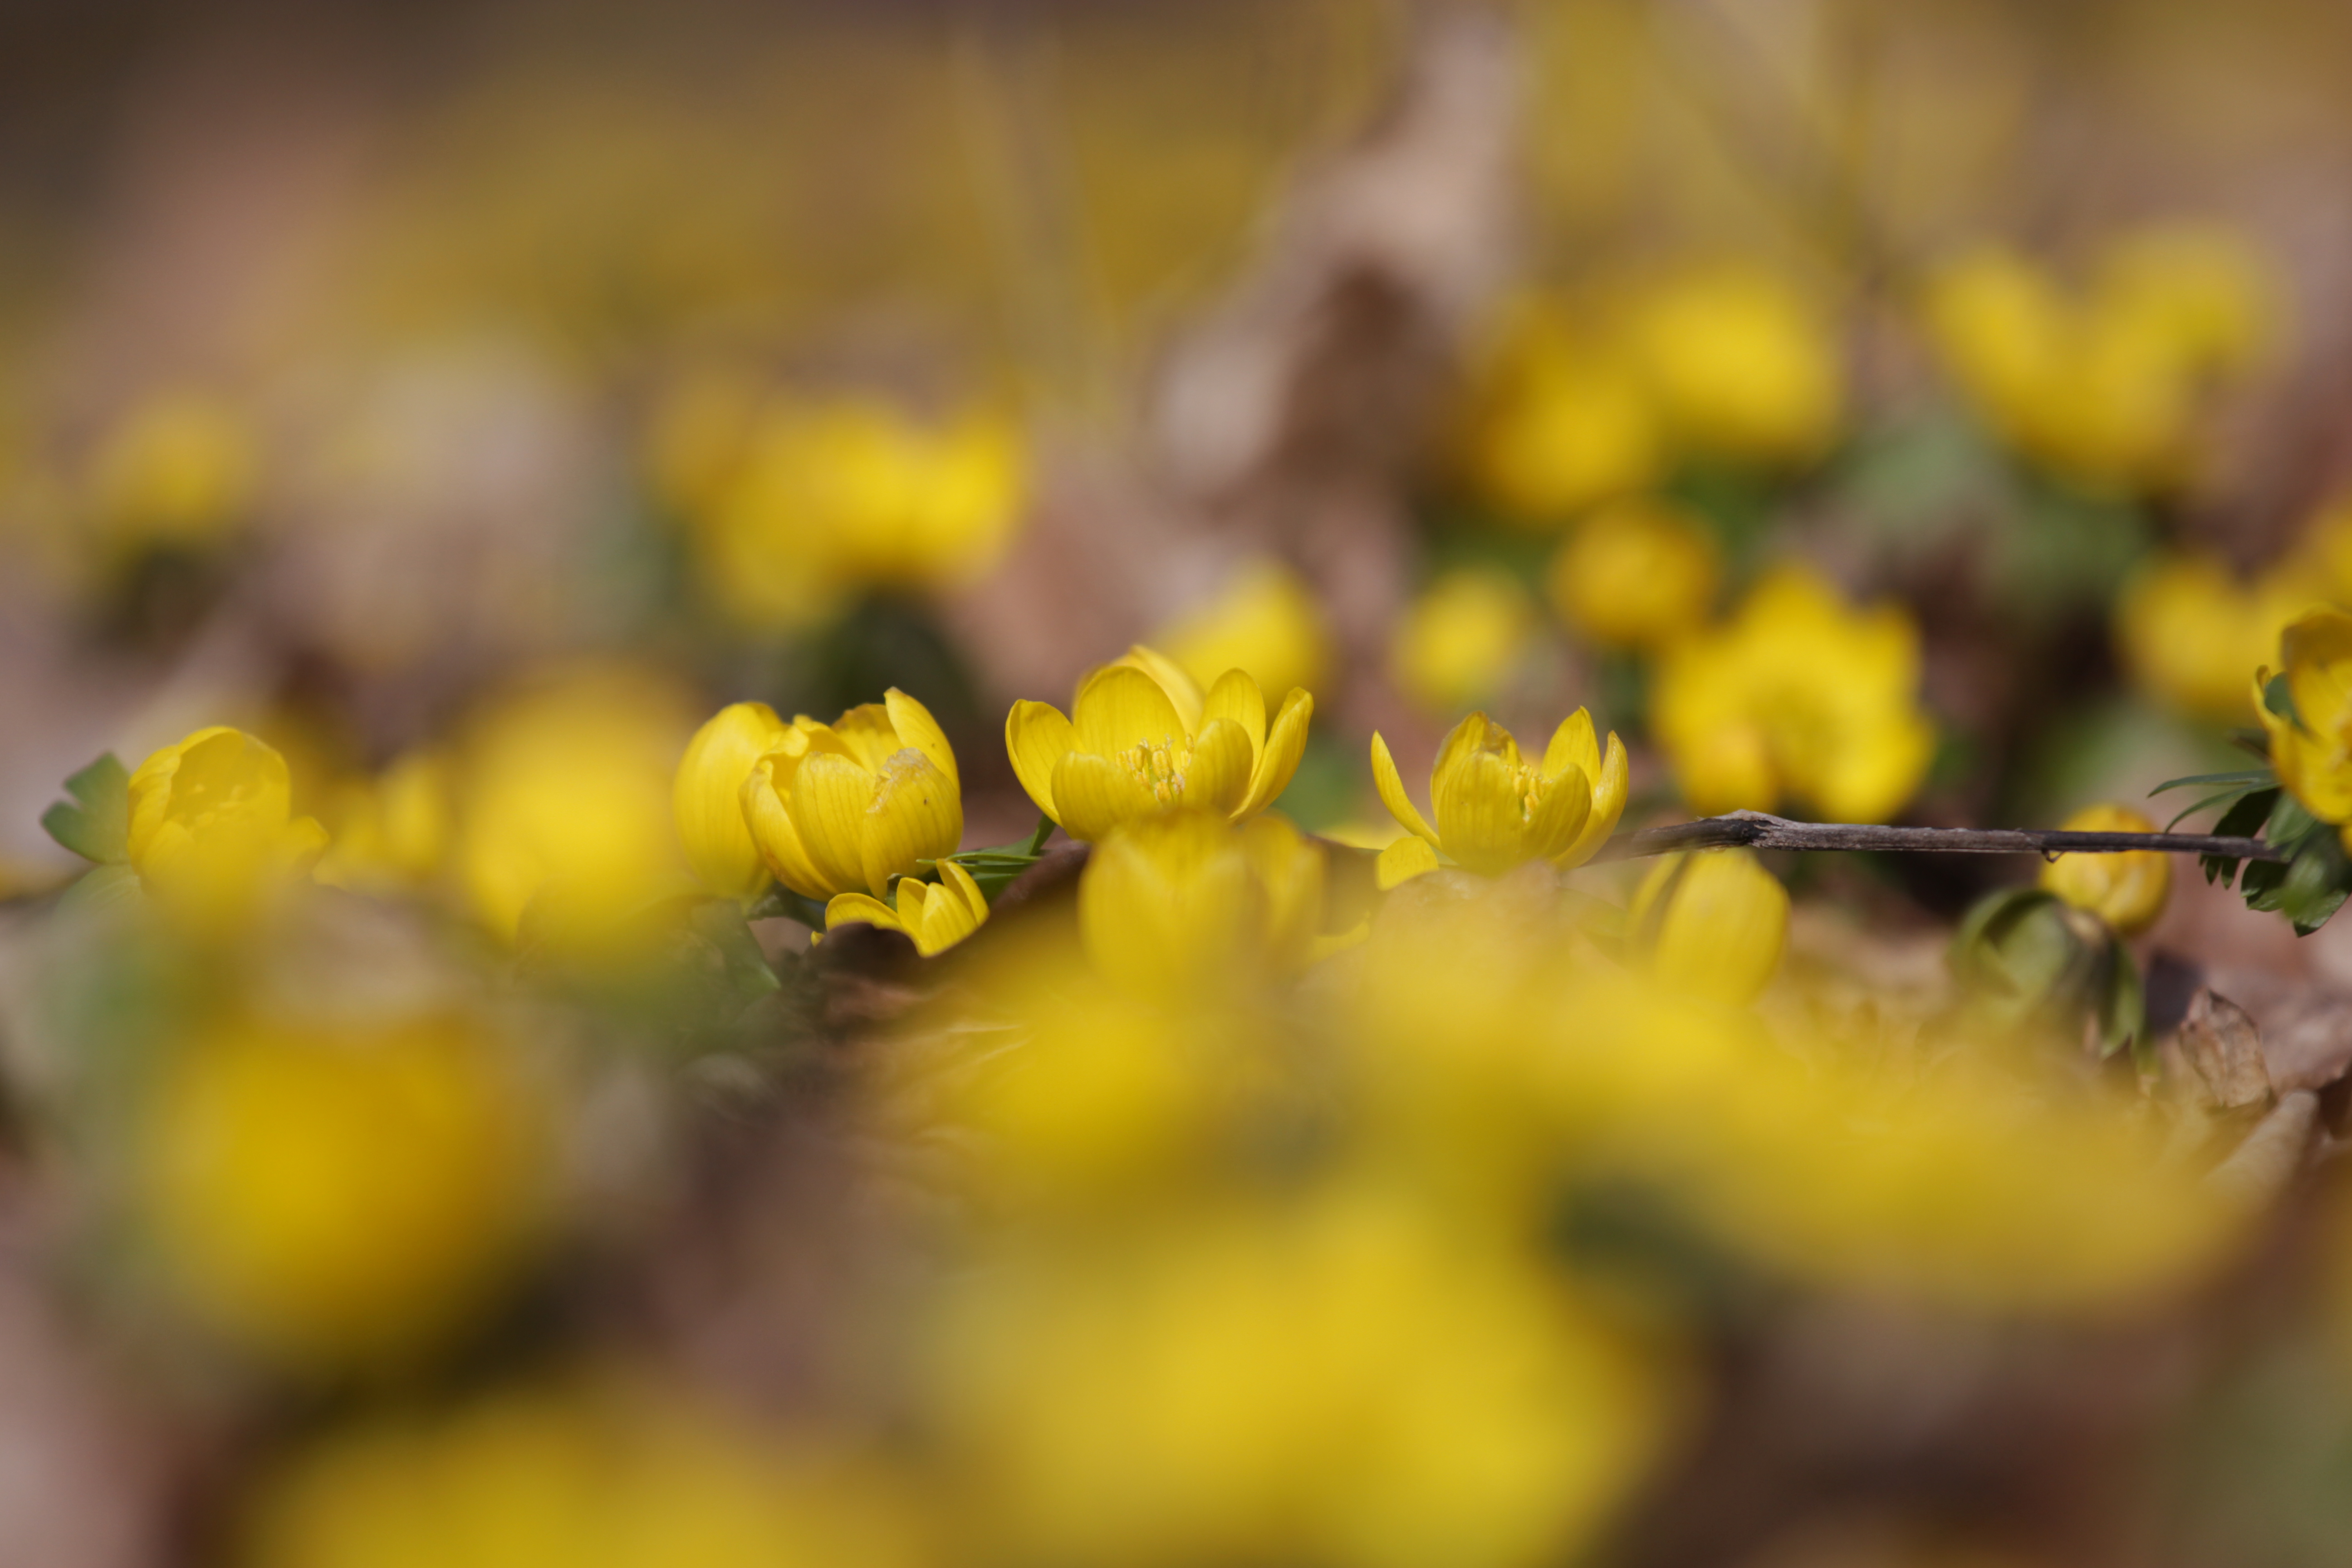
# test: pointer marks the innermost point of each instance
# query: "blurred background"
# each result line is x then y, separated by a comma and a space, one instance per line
1924, 413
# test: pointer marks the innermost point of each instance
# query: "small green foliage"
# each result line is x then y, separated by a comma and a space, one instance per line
96, 823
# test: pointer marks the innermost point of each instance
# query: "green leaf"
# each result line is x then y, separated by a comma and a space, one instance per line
2249, 777
2123, 1007
2289, 822
2315, 884
2279, 698
2240, 821
2255, 743
97, 892
97, 826
2210, 800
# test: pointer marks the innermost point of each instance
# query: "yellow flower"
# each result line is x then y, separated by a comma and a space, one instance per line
395, 832
2125, 890
1740, 364
181, 469
1460, 640
708, 798
1266, 622
934, 915
835, 497
2312, 748
1183, 900
338, 1198
1496, 811
845, 806
1637, 574
1141, 738
2189, 630
1711, 923
1797, 696
210, 821
1559, 421
581, 845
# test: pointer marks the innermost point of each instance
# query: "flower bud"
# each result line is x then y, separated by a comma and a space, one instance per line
1711, 923
2125, 890
709, 798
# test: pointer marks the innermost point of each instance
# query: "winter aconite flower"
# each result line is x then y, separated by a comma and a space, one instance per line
1266, 621
1797, 696
2311, 742
934, 915
1637, 576
844, 807
2127, 891
1459, 642
1185, 902
210, 821
1141, 738
1495, 810
1710, 924
708, 798
1740, 364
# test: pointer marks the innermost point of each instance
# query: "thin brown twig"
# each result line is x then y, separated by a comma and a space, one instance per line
1758, 830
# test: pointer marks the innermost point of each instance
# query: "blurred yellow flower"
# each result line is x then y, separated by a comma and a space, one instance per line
1266, 623
2189, 630
1637, 574
1342, 1381
1559, 421
180, 469
395, 832
1462, 639
1710, 924
2126, 891
1185, 902
934, 915
1797, 696
336, 1198
608, 1477
1496, 810
707, 798
211, 823
2104, 387
853, 493
845, 806
1740, 364
564, 803
1141, 737
2311, 748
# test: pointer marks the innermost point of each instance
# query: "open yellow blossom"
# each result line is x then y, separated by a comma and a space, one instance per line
1740, 364
1496, 810
844, 807
1710, 923
708, 798
1266, 621
1141, 737
2125, 890
2312, 748
1635, 574
1462, 639
341, 1197
210, 821
1797, 696
1183, 900
935, 915
833, 497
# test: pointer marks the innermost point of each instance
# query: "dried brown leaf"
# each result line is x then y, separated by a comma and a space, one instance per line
2225, 1046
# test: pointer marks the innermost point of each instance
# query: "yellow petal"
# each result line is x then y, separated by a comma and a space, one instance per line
765, 813
1290, 870
956, 909
915, 813
843, 908
1121, 707
1404, 860
1476, 803
1236, 696
1724, 923
865, 734
917, 728
1285, 744
1391, 785
829, 797
908, 901
1608, 805
959, 880
707, 798
1219, 773
1573, 746
1182, 691
1560, 814
1165, 901
1038, 736
1097, 794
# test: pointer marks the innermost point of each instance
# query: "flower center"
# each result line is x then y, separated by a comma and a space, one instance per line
1159, 769
1528, 780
